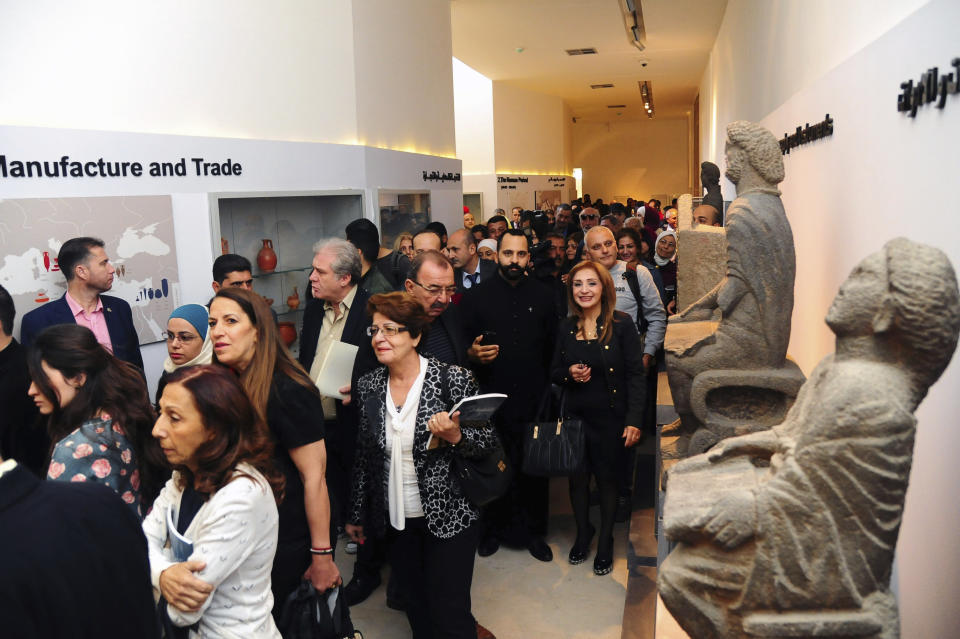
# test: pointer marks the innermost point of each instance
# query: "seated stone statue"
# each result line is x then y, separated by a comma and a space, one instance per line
799, 522
755, 299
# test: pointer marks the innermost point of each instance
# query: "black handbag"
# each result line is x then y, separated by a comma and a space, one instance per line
553, 448
484, 479
308, 614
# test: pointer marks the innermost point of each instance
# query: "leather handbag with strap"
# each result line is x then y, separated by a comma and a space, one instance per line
484, 479
553, 448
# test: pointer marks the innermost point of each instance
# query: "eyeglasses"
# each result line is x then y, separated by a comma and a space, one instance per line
588, 217
389, 330
437, 290
185, 338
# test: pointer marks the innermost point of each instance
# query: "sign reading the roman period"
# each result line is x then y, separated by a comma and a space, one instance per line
67, 167
137, 231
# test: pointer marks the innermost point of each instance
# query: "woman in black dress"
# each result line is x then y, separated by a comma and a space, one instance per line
246, 339
598, 361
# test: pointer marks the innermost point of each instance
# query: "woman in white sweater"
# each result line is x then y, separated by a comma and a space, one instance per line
212, 533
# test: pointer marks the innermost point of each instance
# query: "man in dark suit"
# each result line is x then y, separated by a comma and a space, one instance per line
20, 437
89, 274
74, 561
468, 269
337, 312
511, 322
431, 282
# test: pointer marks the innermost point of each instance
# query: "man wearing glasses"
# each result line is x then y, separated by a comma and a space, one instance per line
431, 282
234, 270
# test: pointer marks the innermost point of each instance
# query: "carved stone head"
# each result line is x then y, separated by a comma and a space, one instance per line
751, 144
908, 293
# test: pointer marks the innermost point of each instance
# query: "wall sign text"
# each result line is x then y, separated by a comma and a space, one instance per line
931, 87
66, 167
437, 176
806, 134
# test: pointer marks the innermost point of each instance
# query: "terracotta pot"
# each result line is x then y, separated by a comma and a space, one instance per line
288, 332
266, 258
293, 302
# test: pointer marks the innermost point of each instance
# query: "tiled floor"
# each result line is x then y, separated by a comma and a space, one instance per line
516, 596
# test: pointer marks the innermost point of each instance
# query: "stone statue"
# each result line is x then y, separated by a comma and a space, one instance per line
710, 180
791, 531
755, 300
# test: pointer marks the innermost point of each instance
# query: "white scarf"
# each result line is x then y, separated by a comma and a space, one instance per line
205, 356
399, 421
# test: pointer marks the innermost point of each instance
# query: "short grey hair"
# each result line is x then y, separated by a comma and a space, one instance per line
346, 258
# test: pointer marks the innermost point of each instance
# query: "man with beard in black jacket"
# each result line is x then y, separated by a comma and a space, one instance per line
510, 322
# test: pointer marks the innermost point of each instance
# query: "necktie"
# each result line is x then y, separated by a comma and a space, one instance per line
472, 278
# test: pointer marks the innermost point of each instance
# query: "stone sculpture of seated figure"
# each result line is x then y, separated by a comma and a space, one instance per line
755, 299
796, 525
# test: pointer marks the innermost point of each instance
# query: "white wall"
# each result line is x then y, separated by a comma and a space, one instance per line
232, 68
529, 131
404, 85
636, 158
473, 108
882, 174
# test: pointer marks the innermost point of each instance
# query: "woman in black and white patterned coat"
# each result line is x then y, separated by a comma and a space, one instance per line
401, 486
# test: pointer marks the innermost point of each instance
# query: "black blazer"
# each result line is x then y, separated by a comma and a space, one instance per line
446, 510
622, 367
354, 332
487, 268
450, 321
123, 336
74, 561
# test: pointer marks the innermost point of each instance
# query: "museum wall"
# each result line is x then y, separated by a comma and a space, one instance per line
404, 85
529, 131
220, 68
636, 158
473, 110
880, 175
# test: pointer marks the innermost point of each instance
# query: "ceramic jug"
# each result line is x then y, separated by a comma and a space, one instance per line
266, 258
293, 302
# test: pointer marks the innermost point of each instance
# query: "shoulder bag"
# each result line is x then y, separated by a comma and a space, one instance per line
553, 448
486, 478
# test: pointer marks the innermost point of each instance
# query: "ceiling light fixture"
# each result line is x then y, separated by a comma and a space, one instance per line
646, 92
584, 51
601, 86
633, 22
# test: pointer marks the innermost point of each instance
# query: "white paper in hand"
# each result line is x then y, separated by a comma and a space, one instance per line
336, 369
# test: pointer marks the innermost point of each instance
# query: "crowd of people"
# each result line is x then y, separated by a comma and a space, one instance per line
244, 478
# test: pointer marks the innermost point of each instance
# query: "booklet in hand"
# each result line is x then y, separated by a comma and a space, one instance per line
478, 408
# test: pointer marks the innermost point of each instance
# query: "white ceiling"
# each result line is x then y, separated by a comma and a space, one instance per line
679, 36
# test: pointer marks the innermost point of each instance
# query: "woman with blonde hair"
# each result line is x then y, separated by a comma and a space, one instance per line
404, 245
598, 360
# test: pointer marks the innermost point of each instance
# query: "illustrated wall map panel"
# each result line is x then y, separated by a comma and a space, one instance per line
138, 232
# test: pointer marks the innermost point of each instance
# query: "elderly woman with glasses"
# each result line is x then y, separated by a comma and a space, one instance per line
188, 341
402, 485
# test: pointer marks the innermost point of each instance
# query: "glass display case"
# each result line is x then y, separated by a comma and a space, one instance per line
402, 211
288, 226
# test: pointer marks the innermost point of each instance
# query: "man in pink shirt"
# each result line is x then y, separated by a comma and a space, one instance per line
85, 264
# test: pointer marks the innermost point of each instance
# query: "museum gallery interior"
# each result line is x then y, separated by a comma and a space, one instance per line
803, 466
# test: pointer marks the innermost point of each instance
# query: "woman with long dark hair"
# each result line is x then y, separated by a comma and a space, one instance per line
245, 338
221, 501
599, 361
98, 415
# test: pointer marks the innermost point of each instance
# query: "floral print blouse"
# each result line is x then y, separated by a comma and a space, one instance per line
99, 451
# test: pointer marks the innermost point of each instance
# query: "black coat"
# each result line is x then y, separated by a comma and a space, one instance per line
116, 312
74, 560
20, 436
622, 367
525, 322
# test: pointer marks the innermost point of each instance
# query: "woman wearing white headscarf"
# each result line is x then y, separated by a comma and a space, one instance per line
665, 258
